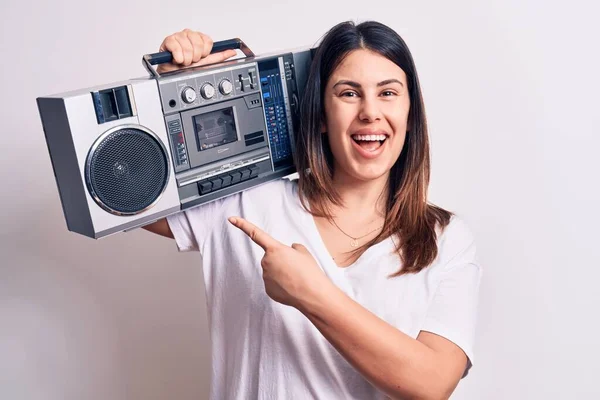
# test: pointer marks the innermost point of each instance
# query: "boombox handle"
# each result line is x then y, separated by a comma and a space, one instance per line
165, 56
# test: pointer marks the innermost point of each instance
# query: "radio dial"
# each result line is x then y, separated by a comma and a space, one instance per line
188, 95
207, 91
225, 87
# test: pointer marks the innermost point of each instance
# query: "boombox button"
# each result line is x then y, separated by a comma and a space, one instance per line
216, 183
253, 171
235, 177
226, 180
205, 187
245, 174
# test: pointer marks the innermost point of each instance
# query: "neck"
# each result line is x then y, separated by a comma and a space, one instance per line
365, 198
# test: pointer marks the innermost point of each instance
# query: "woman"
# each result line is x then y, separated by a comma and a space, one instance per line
344, 284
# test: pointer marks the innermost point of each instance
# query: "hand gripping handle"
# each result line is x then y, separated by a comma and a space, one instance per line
164, 57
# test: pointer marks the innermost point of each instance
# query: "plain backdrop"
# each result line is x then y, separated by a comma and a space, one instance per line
511, 91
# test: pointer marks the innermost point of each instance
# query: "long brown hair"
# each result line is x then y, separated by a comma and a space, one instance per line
408, 215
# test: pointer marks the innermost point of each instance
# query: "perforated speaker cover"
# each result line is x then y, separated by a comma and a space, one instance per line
127, 170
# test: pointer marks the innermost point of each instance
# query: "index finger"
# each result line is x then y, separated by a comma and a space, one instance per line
257, 235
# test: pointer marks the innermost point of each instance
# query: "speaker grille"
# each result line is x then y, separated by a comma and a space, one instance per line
127, 171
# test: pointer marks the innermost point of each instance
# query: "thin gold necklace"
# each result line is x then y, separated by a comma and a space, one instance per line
354, 240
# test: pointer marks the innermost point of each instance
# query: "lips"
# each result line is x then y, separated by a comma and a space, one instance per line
369, 143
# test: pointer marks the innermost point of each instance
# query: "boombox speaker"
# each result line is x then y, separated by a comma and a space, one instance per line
126, 154
127, 170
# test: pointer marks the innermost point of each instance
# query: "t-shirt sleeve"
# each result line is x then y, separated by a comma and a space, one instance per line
192, 226
452, 313
182, 232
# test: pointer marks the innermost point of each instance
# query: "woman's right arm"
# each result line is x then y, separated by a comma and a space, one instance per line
189, 48
160, 227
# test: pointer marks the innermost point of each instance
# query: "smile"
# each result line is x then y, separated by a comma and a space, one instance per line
369, 146
369, 138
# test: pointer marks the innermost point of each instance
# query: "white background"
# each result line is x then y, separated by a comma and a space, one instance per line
511, 91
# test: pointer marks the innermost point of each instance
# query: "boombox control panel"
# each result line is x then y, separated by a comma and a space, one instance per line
225, 180
278, 113
219, 119
186, 92
177, 142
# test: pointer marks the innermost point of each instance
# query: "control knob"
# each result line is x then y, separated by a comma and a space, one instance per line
188, 95
207, 91
225, 87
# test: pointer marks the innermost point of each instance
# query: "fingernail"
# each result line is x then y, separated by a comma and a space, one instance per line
232, 220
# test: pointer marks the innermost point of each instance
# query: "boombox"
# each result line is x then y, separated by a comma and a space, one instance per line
129, 153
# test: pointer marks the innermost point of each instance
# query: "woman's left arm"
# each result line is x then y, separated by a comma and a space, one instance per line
429, 367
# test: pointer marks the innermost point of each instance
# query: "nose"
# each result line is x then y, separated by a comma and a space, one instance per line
369, 110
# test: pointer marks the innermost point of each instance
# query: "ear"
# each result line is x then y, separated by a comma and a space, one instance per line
323, 127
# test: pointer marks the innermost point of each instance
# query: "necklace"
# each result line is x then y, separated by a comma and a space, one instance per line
354, 240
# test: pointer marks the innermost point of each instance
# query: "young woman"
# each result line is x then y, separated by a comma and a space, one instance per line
345, 283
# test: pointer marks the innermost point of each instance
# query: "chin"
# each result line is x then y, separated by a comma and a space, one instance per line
364, 170
371, 174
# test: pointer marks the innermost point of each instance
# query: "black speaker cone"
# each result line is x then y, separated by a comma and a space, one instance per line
127, 170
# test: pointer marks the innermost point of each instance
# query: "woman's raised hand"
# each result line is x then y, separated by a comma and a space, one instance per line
191, 48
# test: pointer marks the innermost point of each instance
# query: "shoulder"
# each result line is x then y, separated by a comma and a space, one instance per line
265, 202
272, 204
265, 195
457, 231
272, 193
456, 243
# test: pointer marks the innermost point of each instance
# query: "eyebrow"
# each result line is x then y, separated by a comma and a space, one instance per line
357, 85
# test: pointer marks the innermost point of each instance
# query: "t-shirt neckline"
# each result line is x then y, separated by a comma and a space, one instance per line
319, 242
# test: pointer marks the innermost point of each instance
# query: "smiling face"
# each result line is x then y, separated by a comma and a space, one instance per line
366, 110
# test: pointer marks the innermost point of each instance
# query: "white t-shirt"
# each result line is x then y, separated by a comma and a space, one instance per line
265, 350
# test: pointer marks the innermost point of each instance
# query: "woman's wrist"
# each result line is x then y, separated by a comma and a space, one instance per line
312, 300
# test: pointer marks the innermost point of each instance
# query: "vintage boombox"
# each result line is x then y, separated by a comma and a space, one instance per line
129, 153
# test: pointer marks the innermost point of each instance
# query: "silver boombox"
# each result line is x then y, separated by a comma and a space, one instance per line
129, 153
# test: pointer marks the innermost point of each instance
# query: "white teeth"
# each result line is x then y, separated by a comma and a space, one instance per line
370, 138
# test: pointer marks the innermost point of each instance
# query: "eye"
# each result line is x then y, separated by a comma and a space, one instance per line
388, 93
348, 93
